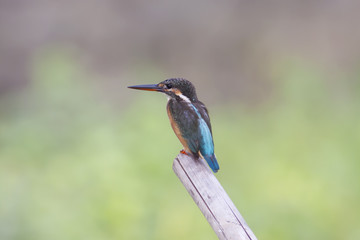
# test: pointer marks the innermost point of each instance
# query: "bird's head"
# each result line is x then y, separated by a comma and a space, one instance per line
173, 87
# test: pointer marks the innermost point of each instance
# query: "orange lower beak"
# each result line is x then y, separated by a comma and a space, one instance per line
150, 87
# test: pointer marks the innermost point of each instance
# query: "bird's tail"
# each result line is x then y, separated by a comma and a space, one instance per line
211, 160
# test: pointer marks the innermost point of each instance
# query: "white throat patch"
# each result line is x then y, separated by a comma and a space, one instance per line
185, 98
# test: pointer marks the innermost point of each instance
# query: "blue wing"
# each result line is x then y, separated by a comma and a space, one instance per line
206, 143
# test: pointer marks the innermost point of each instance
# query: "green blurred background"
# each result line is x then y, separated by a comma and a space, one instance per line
83, 157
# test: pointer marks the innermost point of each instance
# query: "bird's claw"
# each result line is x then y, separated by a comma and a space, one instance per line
183, 152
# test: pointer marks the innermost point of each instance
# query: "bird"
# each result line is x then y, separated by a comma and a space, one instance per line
189, 118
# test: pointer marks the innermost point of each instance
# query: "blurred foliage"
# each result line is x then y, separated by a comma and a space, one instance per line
73, 166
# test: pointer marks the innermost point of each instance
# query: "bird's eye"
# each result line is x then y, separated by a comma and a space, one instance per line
169, 85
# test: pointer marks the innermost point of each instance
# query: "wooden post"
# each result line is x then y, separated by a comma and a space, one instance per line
211, 198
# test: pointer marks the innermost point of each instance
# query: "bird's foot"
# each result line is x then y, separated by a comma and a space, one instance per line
184, 152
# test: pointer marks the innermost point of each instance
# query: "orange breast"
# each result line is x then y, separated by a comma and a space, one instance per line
176, 129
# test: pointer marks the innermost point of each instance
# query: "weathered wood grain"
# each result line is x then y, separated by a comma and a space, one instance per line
211, 198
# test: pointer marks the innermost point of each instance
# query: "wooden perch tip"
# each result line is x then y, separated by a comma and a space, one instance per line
211, 198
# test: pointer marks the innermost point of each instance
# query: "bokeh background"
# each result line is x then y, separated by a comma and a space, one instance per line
83, 157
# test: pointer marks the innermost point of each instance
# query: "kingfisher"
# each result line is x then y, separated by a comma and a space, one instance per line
188, 117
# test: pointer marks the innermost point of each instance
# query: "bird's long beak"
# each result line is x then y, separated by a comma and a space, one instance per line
149, 87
